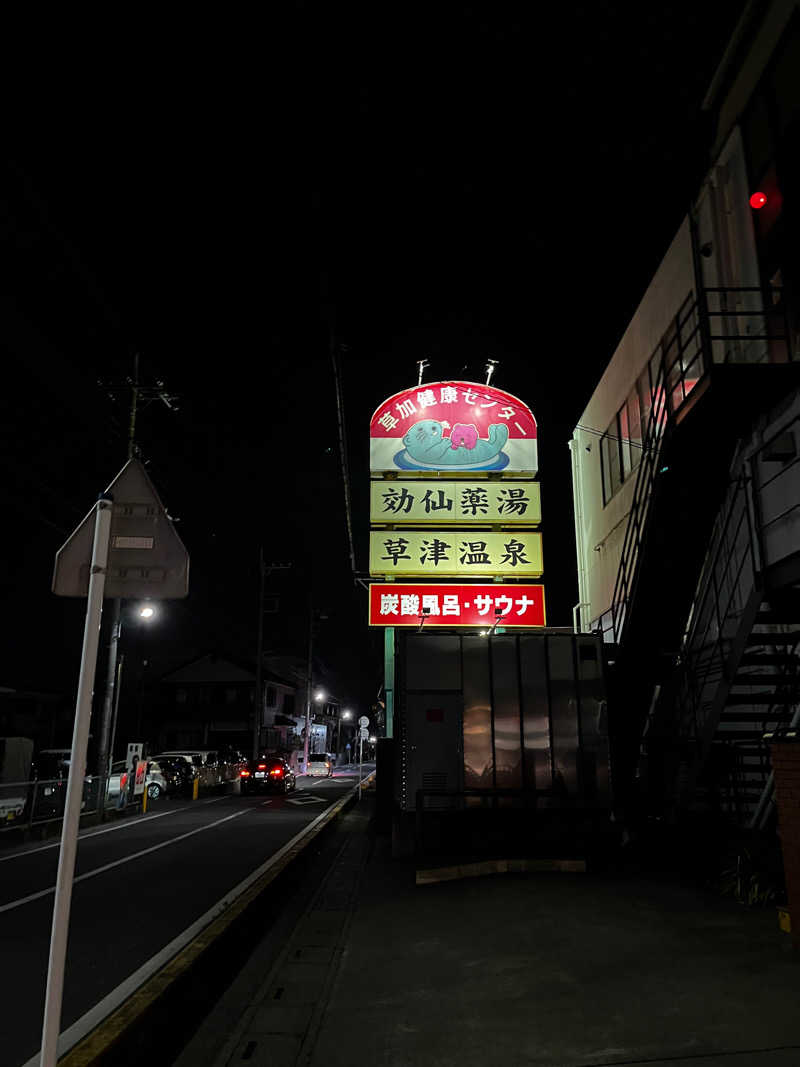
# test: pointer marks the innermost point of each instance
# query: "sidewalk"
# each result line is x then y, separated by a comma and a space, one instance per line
553, 970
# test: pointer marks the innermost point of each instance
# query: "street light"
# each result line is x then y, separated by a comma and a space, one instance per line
145, 613
319, 696
344, 714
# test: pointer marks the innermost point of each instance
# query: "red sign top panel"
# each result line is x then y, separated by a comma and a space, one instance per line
454, 403
393, 604
452, 428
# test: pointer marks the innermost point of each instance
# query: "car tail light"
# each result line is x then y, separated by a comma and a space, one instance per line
262, 766
277, 771
244, 774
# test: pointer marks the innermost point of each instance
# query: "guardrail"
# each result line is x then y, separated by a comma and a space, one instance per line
39, 801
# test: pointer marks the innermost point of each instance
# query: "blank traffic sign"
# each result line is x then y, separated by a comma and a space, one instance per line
146, 558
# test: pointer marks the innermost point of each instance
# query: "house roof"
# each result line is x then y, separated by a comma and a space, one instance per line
211, 668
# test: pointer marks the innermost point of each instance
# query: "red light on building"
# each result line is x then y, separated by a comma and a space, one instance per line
757, 200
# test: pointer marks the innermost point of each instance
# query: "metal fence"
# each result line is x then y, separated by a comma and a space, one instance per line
40, 801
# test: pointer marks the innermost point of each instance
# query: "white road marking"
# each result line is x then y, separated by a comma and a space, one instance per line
307, 800
125, 859
109, 829
81, 1027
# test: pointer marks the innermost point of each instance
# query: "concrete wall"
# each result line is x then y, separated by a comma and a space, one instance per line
599, 528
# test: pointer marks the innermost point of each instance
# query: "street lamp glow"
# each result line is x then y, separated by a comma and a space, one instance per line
319, 696
372, 740
347, 714
146, 612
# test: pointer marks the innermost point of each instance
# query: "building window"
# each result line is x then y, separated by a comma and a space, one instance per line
634, 427
624, 441
611, 459
272, 699
645, 401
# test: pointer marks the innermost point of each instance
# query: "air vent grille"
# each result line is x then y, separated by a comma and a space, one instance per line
434, 780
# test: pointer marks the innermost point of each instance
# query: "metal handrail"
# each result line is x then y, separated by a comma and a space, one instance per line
32, 798
642, 493
709, 586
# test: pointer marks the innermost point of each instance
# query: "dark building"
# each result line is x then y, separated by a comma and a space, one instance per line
686, 468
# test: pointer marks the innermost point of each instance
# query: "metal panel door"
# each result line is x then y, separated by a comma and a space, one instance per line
433, 745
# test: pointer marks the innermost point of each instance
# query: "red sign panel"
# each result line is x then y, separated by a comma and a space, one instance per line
392, 604
451, 427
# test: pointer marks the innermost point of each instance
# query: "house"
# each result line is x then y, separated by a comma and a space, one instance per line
209, 702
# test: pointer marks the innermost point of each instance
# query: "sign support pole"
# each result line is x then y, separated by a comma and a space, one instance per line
360, 772
388, 678
69, 830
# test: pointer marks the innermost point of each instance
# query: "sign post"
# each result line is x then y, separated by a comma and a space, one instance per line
126, 546
363, 723
146, 559
69, 829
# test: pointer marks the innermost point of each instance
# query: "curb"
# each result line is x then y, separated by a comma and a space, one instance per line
99, 1041
482, 867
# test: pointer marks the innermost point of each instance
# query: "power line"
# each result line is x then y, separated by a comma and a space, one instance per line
343, 454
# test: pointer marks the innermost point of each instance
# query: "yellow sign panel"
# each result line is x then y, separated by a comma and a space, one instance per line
459, 502
458, 554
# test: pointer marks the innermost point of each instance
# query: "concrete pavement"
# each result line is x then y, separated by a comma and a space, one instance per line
550, 969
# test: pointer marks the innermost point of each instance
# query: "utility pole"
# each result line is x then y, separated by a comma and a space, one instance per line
258, 702
309, 679
264, 572
106, 753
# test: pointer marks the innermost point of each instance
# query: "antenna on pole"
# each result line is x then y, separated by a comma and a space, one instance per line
423, 364
490, 365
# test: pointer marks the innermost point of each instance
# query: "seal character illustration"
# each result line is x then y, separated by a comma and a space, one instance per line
427, 446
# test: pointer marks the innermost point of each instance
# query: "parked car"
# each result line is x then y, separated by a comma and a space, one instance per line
15, 774
320, 763
155, 784
267, 773
51, 772
179, 770
165, 776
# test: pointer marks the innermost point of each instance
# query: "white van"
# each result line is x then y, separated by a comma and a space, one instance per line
16, 756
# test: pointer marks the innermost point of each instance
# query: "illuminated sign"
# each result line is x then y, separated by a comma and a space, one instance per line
392, 604
463, 502
459, 554
453, 427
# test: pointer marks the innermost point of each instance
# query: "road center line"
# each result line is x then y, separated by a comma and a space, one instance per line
140, 821
125, 859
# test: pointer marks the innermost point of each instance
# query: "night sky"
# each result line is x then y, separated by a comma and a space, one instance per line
228, 199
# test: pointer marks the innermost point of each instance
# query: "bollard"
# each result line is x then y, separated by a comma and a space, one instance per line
144, 801
195, 788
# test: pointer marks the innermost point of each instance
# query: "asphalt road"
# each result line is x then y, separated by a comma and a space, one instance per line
139, 884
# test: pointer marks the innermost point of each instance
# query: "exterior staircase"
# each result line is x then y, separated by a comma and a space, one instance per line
738, 678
